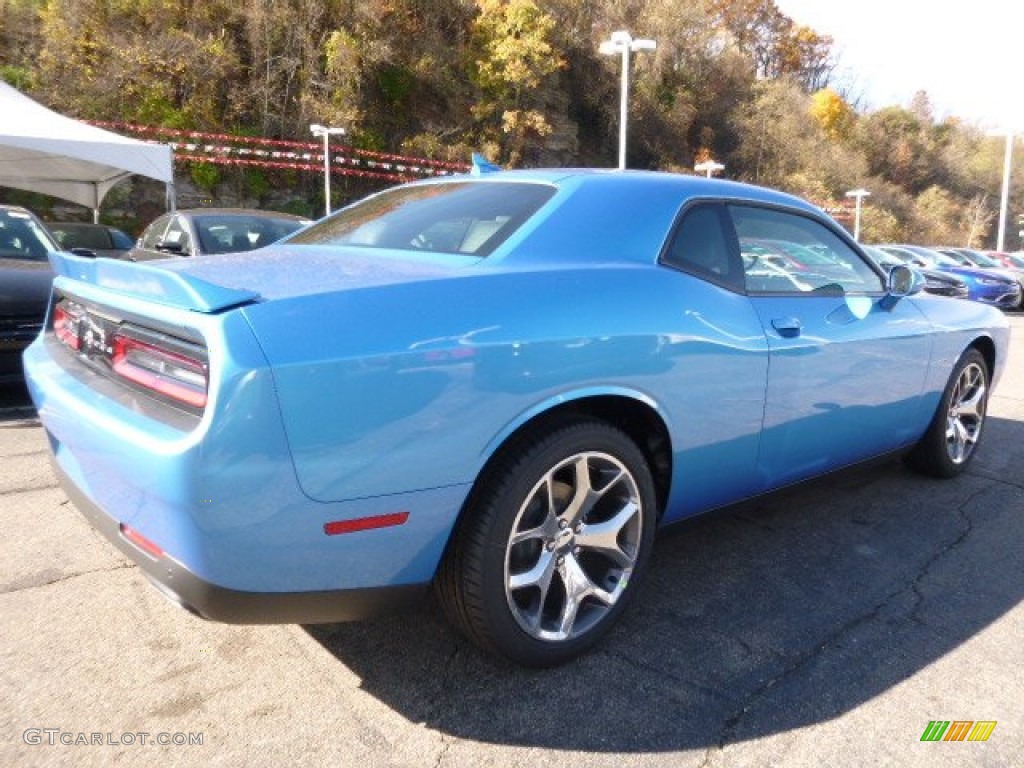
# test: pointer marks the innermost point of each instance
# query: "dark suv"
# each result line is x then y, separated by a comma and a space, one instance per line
25, 280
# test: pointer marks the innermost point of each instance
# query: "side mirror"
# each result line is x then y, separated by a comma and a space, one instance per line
170, 247
902, 281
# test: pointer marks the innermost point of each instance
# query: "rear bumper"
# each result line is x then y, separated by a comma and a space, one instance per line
232, 606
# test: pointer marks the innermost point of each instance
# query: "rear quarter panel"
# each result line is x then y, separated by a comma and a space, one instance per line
412, 386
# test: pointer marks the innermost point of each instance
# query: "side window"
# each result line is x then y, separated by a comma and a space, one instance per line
154, 233
788, 253
121, 240
700, 245
177, 234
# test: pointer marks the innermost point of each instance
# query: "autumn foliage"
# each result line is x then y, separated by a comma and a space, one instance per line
521, 80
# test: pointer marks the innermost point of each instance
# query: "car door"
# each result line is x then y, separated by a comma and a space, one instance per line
717, 401
846, 368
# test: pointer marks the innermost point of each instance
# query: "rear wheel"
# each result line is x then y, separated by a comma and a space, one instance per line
551, 544
949, 444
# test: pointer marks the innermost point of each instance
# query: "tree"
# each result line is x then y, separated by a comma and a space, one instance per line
776, 46
146, 61
832, 113
777, 133
807, 56
936, 214
19, 41
976, 220
513, 56
898, 148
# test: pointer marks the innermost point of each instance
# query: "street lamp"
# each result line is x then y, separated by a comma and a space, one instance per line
320, 130
1004, 200
708, 167
859, 194
621, 42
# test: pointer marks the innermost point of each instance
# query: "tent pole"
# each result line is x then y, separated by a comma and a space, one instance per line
172, 203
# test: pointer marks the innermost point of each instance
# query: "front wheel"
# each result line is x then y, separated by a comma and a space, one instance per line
950, 442
551, 544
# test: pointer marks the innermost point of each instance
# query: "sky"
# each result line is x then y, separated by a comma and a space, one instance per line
968, 55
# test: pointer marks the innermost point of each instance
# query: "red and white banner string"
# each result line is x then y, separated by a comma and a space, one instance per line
344, 160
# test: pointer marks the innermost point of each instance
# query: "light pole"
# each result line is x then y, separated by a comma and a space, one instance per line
708, 167
320, 130
859, 194
621, 42
1004, 200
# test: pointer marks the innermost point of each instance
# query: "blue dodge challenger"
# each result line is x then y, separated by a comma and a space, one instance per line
501, 385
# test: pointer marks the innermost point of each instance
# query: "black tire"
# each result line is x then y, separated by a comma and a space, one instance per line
950, 443
528, 600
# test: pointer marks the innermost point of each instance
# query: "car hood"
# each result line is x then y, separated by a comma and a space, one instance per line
24, 286
939, 275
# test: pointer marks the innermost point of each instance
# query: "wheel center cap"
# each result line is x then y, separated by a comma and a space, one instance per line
564, 538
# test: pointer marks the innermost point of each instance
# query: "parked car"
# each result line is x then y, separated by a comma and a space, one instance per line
1012, 261
98, 239
939, 283
501, 384
984, 285
1006, 263
968, 257
25, 280
208, 231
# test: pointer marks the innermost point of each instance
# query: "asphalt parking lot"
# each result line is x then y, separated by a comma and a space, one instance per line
826, 628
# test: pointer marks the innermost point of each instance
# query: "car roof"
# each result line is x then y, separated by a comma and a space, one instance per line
79, 224
16, 208
687, 184
237, 212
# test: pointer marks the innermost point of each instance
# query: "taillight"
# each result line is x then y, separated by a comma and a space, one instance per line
65, 325
169, 373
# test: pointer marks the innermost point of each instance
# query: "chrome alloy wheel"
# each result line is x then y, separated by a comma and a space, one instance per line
966, 413
573, 546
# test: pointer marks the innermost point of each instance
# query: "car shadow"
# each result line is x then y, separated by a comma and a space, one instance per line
777, 616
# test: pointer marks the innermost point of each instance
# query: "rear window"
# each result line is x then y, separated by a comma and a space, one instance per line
231, 233
70, 236
471, 218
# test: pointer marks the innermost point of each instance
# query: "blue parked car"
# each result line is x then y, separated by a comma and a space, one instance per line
502, 385
935, 281
989, 286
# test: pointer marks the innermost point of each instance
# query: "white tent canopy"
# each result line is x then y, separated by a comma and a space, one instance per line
43, 151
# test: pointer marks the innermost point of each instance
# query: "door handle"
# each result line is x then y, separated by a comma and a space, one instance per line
788, 327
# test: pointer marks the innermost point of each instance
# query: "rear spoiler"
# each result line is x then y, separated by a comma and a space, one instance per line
150, 282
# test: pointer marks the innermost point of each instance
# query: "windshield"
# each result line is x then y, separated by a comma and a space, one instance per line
985, 261
882, 258
464, 217
940, 258
22, 237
